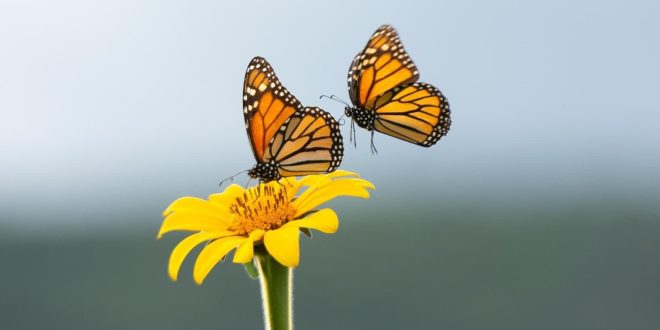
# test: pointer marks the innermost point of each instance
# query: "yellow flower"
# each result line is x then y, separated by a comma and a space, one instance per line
270, 213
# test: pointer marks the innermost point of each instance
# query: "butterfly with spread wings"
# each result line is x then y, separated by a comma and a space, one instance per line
287, 139
386, 97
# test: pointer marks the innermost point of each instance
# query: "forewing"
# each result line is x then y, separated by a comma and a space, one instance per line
383, 65
267, 105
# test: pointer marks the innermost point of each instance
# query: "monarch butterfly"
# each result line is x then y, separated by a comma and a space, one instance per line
386, 97
287, 139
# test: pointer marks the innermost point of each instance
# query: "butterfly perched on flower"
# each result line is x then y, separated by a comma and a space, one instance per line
287, 139
386, 97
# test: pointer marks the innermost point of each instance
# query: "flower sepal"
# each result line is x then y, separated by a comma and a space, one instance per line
306, 231
251, 270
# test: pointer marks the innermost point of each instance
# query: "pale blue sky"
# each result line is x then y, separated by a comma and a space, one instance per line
130, 104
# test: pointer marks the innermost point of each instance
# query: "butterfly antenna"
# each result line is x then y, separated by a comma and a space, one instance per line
341, 120
230, 178
335, 98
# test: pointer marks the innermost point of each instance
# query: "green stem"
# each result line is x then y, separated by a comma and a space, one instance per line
276, 292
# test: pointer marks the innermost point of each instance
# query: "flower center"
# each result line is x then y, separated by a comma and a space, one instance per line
265, 207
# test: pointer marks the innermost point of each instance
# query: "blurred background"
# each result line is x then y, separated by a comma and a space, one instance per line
539, 210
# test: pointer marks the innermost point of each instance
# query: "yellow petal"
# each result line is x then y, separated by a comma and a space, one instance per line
257, 235
320, 196
361, 182
245, 252
212, 254
283, 245
289, 181
228, 196
191, 222
340, 173
317, 179
325, 221
185, 246
323, 182
313, 180
330, 176
197, 205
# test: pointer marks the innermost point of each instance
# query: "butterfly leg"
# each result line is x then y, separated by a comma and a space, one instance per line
373, 146
353, 138
350, 132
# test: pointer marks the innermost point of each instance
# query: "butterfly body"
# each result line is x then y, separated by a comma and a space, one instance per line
386, 97
265, 171
287, 139
364, 119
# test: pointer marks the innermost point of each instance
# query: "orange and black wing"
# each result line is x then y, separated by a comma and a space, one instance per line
417, 113
309, 142
383, 65
267, 105
299, 140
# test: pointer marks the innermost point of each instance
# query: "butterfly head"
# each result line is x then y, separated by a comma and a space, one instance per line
265, 171
349, 111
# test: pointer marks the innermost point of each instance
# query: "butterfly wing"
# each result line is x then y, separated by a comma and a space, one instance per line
309, 142
417, 113
299, 140
267, 105
381, 66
